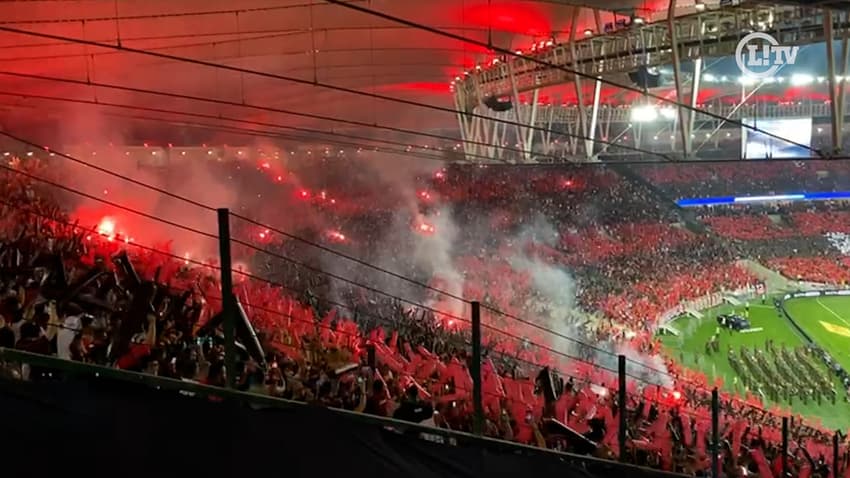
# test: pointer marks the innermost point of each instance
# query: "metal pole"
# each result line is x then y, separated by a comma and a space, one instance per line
715, 433
532, 120
582, 110
621, 399
475, 370
597, 18
744, 97
520, 136
692, 116
830, 64
594, 118
228, 302
784, 447
677, 78
462, 122
845, 62
835, 455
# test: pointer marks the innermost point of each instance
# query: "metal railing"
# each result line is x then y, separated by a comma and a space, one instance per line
69, 370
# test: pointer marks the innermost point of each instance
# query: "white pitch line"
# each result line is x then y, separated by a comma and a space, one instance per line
833, 312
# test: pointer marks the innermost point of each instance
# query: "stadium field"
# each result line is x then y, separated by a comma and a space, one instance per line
827, 321
823, 319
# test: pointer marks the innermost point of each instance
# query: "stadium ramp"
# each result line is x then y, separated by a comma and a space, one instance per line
772, 279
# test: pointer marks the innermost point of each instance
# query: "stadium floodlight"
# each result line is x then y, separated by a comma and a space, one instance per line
746, 80
644, 113
801, 79
709, 77
668, 113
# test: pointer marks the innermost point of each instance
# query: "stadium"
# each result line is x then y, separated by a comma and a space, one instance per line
444, 238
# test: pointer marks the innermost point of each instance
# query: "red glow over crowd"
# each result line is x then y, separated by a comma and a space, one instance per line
631, 260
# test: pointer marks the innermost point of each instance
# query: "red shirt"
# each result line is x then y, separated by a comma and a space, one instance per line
134, 356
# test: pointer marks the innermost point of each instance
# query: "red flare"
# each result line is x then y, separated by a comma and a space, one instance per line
336, 236
106, 227
426, 228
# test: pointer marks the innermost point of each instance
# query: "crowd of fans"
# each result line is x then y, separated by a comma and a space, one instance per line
630, 254
755, 178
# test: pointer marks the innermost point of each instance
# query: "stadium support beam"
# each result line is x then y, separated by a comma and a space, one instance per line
744, 98
484, 134
597, 18
546, 136
475, 370
462, 122
528, 151
500, 150
495, 149
845, 63
590, 144
830, 65
520, 136
228, 301
677, 78
582, 111
692, 116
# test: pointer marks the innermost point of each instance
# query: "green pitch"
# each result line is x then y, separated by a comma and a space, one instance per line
825, 319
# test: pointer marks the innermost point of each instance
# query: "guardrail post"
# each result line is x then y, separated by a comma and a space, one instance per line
784, 447
228, 302
622, 409
715, 433
835, 443
475, 370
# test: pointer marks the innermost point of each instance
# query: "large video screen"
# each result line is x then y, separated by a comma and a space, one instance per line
758, 145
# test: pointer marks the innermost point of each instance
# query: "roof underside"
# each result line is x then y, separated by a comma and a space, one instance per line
110, 92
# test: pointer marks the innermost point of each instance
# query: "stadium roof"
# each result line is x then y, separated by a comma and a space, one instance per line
148, 46
320, 42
